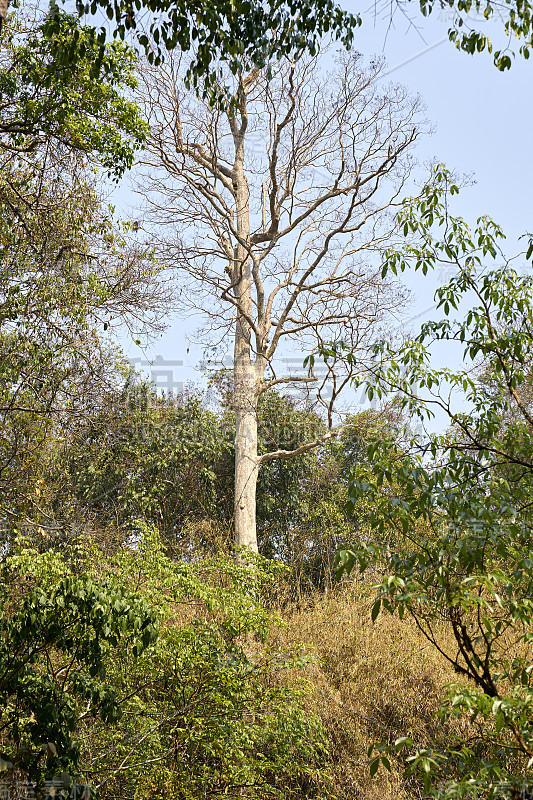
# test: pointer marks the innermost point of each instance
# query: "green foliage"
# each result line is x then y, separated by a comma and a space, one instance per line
242, 34
246, 34
59, 101
170, 461
230, 730
164, 683
65, 272
56, 635
206, 713
143, 456
461, 501
299, 518
517, 19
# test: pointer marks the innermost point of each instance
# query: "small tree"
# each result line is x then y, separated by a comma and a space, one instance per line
58, 630
460, 502
272, 214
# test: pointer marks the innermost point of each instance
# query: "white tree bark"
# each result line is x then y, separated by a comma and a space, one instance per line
246, 384
274, 213
246, 460
4, 5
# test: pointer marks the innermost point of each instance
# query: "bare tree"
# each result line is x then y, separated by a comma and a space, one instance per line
274, 212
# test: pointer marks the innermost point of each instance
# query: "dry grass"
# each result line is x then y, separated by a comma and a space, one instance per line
373, 682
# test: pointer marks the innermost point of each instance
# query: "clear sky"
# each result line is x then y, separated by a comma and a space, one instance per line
482, 118
482, 121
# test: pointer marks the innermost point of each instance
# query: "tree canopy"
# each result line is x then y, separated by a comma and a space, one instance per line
60, 102
248, 33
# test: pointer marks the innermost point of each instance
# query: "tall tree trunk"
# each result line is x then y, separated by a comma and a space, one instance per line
4, 5
246, 385
246, 466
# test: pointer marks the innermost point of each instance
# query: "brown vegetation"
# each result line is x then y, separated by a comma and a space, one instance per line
372, 682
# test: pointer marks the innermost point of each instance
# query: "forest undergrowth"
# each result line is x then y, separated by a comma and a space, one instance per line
372, 681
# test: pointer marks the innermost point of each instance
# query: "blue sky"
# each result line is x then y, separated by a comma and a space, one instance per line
482, 121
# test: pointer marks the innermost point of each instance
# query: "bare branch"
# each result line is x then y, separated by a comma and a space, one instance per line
304, 448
